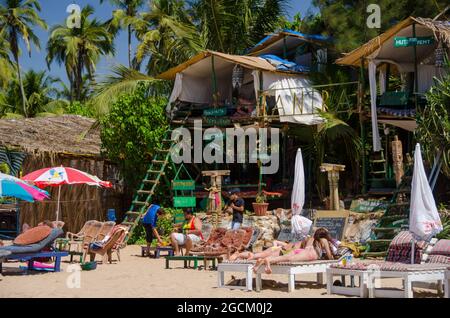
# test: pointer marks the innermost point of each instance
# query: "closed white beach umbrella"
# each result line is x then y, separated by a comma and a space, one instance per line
424, 220
300, 224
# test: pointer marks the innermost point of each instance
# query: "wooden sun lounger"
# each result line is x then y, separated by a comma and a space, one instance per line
31, 257
290, 269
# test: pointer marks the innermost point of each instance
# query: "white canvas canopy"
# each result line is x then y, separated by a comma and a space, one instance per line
381, 50
296, 101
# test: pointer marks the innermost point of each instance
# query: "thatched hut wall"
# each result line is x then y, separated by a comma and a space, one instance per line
79, 203
71, 141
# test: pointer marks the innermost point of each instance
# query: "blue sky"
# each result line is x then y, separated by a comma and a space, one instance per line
54, 12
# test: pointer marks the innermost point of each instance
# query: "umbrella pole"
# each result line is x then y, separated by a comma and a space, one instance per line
412, 250
57, 208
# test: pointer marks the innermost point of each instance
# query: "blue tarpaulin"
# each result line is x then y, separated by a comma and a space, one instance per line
284, 65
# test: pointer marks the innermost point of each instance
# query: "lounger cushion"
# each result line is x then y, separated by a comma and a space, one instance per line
33, 235
37, 247
400, 249
442, 247
441, 259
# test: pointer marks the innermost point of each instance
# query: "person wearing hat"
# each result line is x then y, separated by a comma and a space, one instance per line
236, 207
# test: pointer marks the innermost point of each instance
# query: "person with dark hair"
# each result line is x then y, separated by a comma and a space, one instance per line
149, 221
191, 233
313, 248
236, 207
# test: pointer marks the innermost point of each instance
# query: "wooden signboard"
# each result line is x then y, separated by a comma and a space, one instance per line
334, 221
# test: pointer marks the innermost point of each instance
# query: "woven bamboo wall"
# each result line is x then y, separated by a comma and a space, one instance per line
80, 203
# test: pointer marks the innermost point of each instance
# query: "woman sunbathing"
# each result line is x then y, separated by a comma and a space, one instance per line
314, 248
278, 248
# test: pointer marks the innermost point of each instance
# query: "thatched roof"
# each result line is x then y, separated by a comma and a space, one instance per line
439, 29
67, 134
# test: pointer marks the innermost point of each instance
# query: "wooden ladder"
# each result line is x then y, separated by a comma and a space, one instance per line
143, 197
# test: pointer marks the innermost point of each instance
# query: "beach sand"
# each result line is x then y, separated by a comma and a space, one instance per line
136, 276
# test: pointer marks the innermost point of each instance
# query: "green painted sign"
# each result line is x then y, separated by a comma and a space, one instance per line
183, 185
403, 41
184, 202
217, 112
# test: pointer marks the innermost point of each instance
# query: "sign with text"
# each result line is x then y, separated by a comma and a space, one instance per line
334, 221
403, 41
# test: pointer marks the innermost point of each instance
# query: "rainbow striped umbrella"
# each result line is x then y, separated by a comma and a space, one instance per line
14, 187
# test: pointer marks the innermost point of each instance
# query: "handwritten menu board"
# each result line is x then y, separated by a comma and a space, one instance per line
333, 221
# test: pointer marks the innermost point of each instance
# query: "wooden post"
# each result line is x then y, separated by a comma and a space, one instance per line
416, 73
362, 127
215, 189
214, 82
333, 179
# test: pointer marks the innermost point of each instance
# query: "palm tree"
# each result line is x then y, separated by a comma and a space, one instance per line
40, 93
167, 34
7, 69
79, 49
232, 26
18, 17
126, 16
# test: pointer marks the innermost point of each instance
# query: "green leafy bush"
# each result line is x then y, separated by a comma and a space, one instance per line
132, 131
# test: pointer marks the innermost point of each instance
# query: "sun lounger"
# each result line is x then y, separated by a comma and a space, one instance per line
34, 251
79, 247
112, 243
368, 273
79, 236
318, 267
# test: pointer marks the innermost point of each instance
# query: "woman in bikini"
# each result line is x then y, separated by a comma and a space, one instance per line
314, 248
278, 248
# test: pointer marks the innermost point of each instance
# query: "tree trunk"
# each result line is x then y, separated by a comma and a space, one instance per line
129, 46
15, 51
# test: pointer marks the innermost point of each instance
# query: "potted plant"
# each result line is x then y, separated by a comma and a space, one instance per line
260, 205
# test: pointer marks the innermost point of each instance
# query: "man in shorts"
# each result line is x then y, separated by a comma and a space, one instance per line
149, 221
191, 233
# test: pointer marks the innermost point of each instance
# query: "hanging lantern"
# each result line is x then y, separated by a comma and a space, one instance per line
238, 76
439, 55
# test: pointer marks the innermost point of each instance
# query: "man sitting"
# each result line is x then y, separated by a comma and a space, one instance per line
191, 233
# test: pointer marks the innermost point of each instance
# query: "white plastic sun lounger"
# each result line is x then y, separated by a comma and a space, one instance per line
369, 279
289, 269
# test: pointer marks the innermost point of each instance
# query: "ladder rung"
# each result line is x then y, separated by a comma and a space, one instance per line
132, 213
128, 223
159, 161
178, 122
151, 181
163, 150
378, 172
149, 192
378, 161
156, 171
140, 203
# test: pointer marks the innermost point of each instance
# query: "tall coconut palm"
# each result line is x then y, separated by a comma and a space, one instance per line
7, 69
126, 17
18, 17
39, 91
167, 34
79, 49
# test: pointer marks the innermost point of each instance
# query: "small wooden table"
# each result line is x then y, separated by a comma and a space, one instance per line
188, 258
157, 250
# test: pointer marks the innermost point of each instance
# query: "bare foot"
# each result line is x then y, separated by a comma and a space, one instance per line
250, 256
257, 265
268, 269
233, 257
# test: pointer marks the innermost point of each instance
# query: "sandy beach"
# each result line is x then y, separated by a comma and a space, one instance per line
136, 276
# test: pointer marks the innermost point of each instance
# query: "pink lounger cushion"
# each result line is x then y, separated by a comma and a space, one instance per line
442, 247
